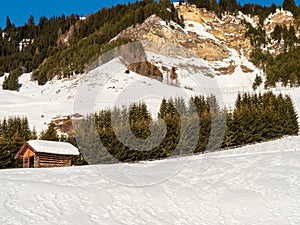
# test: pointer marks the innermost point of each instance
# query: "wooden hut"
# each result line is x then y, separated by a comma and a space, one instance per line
40, 153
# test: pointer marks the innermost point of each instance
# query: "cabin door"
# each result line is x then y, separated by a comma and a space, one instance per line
31, 162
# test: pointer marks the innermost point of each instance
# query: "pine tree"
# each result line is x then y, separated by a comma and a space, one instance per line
33, 135
257, 82
11, 82
30, 21
163, 109
50, 134
277, 33
228, 5
139, 15
273, 8
289, 5
5, 83
8, 23
291, 117
14, 131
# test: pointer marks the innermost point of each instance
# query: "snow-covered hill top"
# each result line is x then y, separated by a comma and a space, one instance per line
256, 184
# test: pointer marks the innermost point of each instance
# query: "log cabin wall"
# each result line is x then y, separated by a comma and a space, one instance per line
51, 160
25, 162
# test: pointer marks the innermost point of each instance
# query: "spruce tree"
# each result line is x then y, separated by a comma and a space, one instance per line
291, 117
163, 109
8, 23
289, 5
50, 134
277, 33
257, 82
11, 82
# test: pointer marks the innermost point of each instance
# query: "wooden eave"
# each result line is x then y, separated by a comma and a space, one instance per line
25, 152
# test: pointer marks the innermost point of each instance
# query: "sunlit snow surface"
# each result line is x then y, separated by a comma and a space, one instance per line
256, 184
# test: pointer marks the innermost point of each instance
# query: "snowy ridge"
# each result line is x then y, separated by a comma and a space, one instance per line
256, 184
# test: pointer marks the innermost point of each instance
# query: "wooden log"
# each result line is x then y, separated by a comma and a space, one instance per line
54, 160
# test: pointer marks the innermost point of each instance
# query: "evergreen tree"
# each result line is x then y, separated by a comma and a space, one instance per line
257, 82
283, 68
272, 8
8, 23
11, 82
14, 131
163, 109
30, 21
228, 5
50, 134
289, 5
290, 117
277, 33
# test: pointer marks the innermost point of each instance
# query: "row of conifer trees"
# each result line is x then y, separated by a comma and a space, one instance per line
131, 134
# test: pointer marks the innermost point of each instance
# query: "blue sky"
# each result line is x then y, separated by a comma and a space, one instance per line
20, 10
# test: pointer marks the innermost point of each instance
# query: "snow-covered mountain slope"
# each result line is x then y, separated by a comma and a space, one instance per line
39, 103
110, 85
210, 56
256, 184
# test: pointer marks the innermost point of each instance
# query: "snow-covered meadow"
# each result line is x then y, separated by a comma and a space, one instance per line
255, 184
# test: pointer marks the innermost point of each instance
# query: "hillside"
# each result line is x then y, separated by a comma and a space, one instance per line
63, 46
256, 184
211, 50
99, 63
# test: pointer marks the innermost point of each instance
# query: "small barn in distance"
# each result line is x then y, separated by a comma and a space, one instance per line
40, 153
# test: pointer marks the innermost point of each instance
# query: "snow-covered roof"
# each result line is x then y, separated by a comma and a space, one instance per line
53, 147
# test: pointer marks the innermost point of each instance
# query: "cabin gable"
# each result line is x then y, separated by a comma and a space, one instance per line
29, 158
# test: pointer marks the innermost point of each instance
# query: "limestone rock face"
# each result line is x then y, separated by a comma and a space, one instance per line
220, 40
171, 40
228, 30
282, 18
